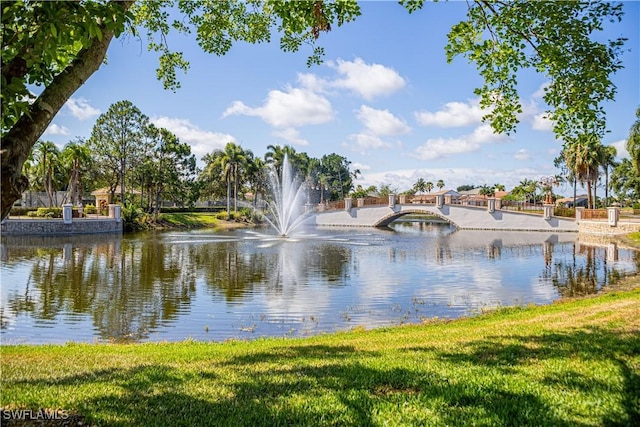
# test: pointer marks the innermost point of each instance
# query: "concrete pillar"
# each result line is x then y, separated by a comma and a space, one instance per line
498, 204
402, 199
439, 201
67, 213
579, 211
491, 205
80, 211
548, 211
392, 200
360, 202
348, 203
614, 216
114, 211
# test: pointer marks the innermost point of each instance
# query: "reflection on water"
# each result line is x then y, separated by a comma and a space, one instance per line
215, 286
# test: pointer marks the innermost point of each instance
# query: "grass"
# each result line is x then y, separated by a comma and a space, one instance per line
565, 364
190, 219
634, 238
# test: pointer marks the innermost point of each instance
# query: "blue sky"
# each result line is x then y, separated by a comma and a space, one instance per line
385, 98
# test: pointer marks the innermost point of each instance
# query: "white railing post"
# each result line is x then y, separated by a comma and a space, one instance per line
548, 211
579, 212
491, 205
348, 203
392, 200
614, 215
67, 213
439, 201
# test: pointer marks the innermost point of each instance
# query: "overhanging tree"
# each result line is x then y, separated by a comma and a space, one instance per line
57, 46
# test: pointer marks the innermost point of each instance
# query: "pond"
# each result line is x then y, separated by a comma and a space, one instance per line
214, 286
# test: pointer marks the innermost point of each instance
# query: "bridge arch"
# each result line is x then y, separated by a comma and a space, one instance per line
388, 219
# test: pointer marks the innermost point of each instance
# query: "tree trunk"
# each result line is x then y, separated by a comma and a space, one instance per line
228, 198
606, 187
156, 210
123, 166
18, 142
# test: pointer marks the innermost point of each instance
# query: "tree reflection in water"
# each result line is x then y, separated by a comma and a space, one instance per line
574, 279
131, 286
153, 286
127, 286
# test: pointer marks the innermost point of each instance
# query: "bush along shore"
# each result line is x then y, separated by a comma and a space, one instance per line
575, 362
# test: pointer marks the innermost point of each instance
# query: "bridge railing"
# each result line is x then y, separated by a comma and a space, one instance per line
595, 214
335, 205
374, 201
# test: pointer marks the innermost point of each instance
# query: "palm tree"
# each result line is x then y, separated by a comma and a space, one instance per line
47, 157
76, 157
231, 160
420, 186
275, 155
440, 184
487, 191
582, 158
257, 177
607, 161
429, 186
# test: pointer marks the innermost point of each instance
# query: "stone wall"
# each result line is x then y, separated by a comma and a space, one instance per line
58, 227
603, 227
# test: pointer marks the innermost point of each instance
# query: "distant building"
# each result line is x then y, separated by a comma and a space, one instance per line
450, 196
567, 202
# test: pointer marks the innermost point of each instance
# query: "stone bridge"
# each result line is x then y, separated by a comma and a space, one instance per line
462, 217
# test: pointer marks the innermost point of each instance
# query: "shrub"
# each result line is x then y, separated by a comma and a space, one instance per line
21, 211
222, 216
90, 209
49, 212
564, 212
133, 217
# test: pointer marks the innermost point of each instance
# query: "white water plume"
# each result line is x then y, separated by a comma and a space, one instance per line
286, 209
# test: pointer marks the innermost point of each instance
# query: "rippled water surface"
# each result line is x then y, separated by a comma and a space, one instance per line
208, 285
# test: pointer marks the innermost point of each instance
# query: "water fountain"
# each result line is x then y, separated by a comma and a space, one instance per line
286, 211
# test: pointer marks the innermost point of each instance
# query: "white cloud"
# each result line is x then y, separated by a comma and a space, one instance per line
55, 129
80, 108
201, 141
453, 177
621, 148
539, 94
443, 147
360, 166
312, 82
292, 108
381, 122
291, 135
436, 148
452, 114
364, 142
367, 80
541, 122
522, 154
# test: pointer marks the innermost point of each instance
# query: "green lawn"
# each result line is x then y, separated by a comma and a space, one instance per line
566, 364
190, 219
